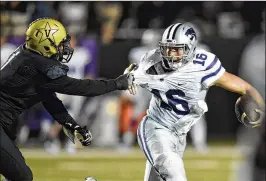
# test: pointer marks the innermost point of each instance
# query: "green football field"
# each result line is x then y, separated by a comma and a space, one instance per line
110, 165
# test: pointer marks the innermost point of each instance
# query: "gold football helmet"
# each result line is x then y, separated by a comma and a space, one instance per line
49, 38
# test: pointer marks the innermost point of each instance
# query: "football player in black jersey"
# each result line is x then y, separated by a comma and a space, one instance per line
33, 73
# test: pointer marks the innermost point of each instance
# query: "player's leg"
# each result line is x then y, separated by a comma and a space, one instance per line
163, 149
150, 173
199, 135
12, 164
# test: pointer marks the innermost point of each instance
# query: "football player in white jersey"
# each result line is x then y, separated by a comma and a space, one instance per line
177, 75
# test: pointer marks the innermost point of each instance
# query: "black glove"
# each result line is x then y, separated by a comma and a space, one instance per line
124, 81
73, 130
84, 135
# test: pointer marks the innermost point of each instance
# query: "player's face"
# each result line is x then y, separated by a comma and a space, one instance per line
175, 52
61, 47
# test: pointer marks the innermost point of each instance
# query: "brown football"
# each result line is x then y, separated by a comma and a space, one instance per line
245, 110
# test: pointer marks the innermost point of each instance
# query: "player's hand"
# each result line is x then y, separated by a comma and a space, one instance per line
73, 130
123, 82
259, 120
83, 135
132, 88
249, 112
130, 68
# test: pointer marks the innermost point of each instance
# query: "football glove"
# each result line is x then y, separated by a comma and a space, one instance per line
81, 133
124, 81
248, 112
130, 68
131, 88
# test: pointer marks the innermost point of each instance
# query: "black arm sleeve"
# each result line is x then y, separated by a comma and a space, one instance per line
57, 110
81, 87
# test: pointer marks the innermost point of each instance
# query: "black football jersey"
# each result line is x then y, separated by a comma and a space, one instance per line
22, 78
28, 78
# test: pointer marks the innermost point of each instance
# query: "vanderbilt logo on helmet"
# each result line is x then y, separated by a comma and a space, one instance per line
46, 33
191, 34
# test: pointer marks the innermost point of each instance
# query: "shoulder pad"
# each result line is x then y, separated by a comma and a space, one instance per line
209, 66
204, 59
56, 71
152, 54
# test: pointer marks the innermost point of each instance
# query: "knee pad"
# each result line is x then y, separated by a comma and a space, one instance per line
170, 167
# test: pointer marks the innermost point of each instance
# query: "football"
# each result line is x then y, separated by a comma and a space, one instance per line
245, 110
90, 179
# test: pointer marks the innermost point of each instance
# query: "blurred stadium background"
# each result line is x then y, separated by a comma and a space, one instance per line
106, 35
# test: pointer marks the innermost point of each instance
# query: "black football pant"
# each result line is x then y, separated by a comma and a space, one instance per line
12, 164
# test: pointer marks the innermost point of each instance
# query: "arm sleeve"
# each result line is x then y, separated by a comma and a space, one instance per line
80, 87
57, 110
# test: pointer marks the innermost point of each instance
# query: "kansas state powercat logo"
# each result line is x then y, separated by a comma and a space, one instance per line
191, 34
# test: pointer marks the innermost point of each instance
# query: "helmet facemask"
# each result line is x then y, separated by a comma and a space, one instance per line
171, 62
64, 50
178, 37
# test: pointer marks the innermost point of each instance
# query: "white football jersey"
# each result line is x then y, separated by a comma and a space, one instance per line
178, 99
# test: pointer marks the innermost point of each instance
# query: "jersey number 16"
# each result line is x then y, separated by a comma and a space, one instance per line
173, 101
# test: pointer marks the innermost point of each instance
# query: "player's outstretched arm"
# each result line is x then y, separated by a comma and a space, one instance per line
236, 84
57, 110
87, 87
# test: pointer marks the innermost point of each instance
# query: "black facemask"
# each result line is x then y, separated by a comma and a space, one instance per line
64, 50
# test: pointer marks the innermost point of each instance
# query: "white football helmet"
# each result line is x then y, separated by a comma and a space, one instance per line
178, 36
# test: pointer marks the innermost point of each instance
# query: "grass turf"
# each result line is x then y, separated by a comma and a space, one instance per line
111, 165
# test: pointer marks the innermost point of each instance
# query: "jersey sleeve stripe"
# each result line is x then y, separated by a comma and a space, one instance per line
213, 63
212, 74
